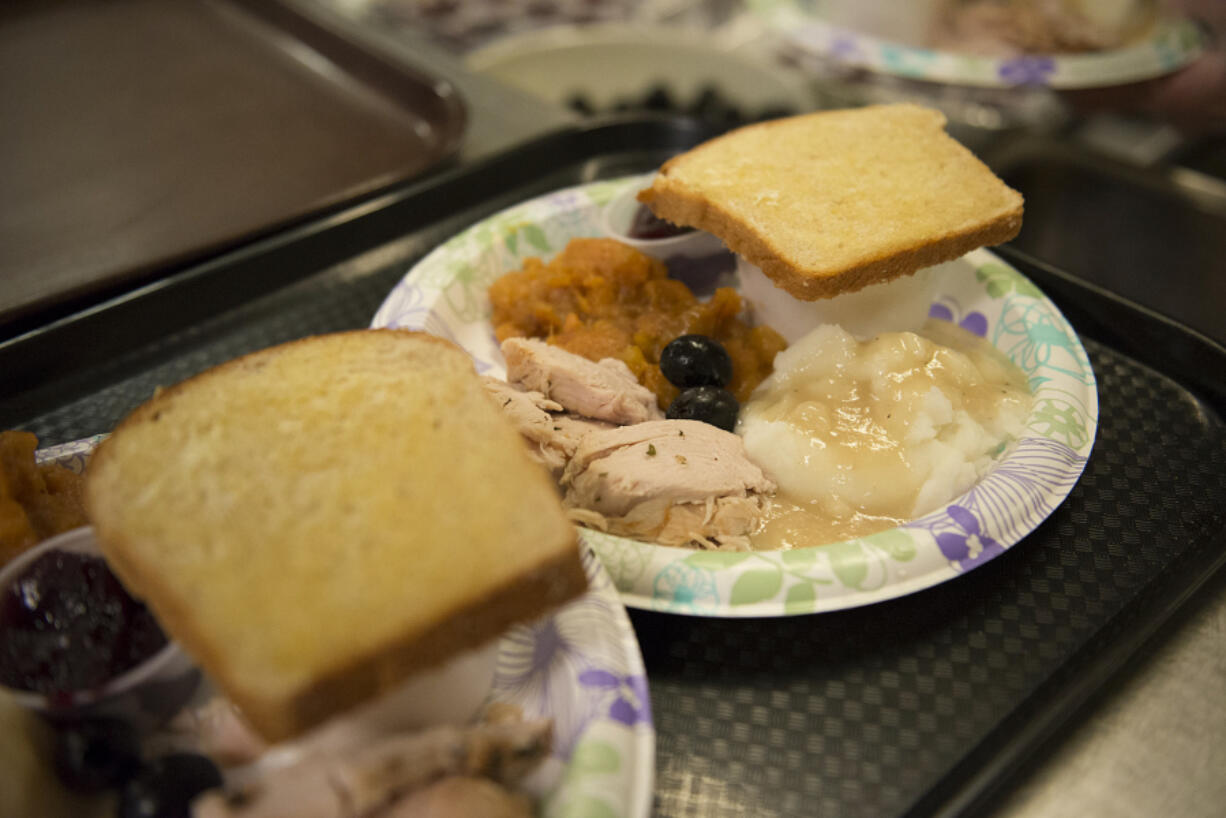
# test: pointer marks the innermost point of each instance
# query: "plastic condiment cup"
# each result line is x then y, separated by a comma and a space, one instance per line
697, 258
618, 215
901, 305
145, 695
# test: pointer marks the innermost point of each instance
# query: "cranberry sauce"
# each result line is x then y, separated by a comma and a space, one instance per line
67, 625
647, 226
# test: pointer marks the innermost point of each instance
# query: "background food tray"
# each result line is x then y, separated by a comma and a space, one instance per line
141, 134
917, 706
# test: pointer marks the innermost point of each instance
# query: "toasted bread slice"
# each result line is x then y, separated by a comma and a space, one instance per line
319, 520
828, 203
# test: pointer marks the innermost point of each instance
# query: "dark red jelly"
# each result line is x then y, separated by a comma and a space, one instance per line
68, 625
647, 226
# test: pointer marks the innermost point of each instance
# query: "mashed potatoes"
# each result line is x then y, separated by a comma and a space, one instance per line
861, 435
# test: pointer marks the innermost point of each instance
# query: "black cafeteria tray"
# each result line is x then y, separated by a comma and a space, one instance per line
141, 135
917, 706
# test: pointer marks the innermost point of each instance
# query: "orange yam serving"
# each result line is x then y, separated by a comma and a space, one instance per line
36, 501
600, 298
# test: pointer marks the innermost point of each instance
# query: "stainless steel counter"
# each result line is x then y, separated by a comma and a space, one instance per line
1153, 743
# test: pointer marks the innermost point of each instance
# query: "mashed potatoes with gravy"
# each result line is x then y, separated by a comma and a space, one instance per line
862, 435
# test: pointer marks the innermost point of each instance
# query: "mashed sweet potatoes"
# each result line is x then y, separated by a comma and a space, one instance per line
36, 501
600, 298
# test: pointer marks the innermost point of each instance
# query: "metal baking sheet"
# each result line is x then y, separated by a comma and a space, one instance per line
919, 706
140, 135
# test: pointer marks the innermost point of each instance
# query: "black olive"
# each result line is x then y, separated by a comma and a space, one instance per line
166, 787
96, 755
695, 360
710, 404
659, 99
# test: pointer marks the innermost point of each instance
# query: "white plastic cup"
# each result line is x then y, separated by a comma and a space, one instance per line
900, 305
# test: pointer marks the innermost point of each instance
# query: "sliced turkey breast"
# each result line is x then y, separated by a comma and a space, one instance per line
679, 461
605, 390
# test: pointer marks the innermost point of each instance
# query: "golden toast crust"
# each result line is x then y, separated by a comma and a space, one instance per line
230, 583
834, 201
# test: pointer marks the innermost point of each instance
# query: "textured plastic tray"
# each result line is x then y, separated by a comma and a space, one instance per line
140, 135
918, 706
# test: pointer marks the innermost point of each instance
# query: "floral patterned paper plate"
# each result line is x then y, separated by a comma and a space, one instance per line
445, 294
1171, 44
580, 667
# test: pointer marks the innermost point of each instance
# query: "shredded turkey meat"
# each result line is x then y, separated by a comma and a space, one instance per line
552, 436
681, 461
673, 482
372, 779
606, 390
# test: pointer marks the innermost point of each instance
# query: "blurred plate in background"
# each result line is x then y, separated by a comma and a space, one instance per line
601, 68
877, 43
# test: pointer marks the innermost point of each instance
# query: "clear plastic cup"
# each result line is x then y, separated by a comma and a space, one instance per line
145, 695
696, 257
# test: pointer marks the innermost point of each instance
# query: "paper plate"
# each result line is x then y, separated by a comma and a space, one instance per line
445, 294
1170, 44
580, 667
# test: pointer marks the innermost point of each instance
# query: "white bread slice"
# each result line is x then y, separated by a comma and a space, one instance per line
317, 521
831, 202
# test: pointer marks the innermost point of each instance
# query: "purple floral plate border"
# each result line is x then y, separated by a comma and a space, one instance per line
581, 667
1171, 44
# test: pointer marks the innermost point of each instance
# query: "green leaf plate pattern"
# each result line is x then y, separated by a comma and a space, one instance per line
445, 294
